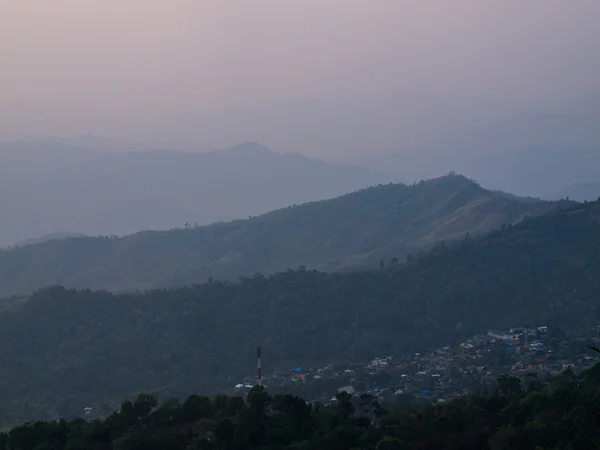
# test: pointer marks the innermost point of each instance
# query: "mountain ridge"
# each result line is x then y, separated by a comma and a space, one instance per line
67, 349
51, 237
352, 231
53, 185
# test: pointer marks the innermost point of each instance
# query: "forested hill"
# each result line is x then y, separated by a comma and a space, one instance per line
352, 231
65, 349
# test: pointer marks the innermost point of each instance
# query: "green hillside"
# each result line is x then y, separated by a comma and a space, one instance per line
348, 232
65, 349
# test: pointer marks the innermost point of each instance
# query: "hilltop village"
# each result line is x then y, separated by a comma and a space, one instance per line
475, 365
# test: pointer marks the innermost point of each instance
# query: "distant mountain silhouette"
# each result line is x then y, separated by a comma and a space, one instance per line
528, 154
540, 169
348, 232
49, 185
579, 192
50, 237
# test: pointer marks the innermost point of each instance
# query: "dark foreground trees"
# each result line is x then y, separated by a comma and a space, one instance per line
558, 416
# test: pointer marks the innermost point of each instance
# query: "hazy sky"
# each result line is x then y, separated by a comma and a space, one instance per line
211, 72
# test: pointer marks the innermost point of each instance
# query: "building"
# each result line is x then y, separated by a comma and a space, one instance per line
499, 335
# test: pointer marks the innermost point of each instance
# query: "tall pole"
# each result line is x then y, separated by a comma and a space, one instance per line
258, 366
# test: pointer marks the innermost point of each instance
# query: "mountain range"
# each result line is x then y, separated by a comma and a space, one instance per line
349, 232
52, 185
101, 186
64, 350
534, 154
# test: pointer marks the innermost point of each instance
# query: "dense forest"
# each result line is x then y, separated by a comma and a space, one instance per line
66, 349
562, 414
345, 233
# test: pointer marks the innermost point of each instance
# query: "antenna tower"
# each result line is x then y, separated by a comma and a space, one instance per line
258, 367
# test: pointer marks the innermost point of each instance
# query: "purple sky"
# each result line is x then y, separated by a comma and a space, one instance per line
209, 73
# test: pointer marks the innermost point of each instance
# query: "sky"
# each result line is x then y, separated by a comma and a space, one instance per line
323, 77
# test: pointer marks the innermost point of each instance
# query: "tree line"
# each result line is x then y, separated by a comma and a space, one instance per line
562, 414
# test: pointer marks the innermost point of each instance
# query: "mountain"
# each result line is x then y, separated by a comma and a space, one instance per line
66, 349
54, 185
580, 192
540, 169
348, 232
50, 237
533, 154
537, 153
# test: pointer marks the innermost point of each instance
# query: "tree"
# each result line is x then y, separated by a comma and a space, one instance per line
344, 405
143, 406
224, 431
169, 412
258, 400
252, 423
391, 444
510, 386
196, 407
371, 408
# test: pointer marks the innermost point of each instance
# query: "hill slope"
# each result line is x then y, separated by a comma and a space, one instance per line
351, 231
51, 186
69, 349
50, 237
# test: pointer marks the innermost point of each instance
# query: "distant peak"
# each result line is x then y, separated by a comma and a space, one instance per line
454, 178
451, 182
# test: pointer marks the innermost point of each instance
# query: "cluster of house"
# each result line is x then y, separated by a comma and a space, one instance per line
443, 374
515, 335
